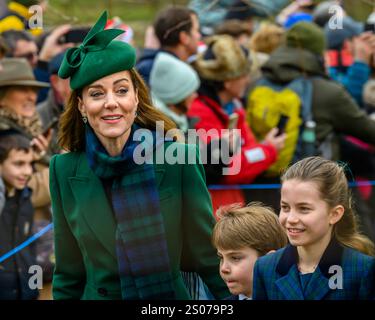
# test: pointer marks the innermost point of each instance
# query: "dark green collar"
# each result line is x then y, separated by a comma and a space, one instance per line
331, 256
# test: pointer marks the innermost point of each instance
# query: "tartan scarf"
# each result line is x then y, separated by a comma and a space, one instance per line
141, 245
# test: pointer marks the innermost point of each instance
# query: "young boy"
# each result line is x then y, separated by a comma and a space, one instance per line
16, 217
241, 236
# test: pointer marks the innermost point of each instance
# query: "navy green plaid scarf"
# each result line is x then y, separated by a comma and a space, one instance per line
141, 244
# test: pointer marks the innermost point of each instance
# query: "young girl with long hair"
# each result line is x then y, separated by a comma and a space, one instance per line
327, 258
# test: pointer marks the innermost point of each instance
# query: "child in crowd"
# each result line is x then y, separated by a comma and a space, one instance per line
241, 236
327, 259
16, 217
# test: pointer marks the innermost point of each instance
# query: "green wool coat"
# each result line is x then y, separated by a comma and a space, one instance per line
84, 228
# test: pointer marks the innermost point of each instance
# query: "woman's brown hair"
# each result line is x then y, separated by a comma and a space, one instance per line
71, 134
334, 190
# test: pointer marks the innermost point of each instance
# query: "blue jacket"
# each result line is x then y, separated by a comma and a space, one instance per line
42, 74
354, 79
145, 64
276, 276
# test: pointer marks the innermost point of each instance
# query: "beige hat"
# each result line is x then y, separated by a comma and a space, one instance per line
18, 72
223, 60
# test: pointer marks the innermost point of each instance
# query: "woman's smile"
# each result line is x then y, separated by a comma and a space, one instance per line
295, 232
112, 118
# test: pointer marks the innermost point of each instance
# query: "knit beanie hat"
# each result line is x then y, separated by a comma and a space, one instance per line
307, 36
223, 60
172, 80
98, 56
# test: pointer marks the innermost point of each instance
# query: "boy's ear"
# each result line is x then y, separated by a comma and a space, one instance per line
271, 251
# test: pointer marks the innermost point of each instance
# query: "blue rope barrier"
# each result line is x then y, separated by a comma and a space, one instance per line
274, 186
244, 186
26, 243
361, 184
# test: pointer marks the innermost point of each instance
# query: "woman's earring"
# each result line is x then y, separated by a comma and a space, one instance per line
136, 114
84, 119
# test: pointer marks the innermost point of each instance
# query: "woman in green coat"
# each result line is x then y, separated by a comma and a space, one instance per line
124, 229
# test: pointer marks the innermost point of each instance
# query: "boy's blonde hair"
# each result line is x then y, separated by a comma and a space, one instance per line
255, 226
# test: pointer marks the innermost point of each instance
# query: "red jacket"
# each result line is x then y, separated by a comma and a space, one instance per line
254, 158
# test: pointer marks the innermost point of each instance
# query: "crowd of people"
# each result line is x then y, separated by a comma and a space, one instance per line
251, 93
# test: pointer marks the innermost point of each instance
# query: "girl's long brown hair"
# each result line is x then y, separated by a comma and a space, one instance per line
71, 136
334, 190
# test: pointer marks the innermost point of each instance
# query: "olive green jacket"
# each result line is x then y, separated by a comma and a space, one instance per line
334, 110
84, 224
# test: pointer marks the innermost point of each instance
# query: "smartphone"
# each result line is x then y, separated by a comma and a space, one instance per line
233, 120
76, 35
370, 27
282, 124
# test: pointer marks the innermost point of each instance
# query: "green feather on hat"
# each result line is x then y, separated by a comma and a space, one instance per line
98, 56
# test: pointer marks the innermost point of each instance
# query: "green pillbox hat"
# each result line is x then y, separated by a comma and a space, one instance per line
308, 36
98, 56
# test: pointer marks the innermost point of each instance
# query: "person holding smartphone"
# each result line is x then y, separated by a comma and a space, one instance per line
223, 83
348, 57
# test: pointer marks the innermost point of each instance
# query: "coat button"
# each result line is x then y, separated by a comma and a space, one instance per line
102, 292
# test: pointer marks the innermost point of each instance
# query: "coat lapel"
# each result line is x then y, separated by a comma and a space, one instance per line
289, 285
93, 203
289, 282
317, 287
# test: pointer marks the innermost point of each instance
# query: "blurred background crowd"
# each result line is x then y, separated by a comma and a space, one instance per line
296, 77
